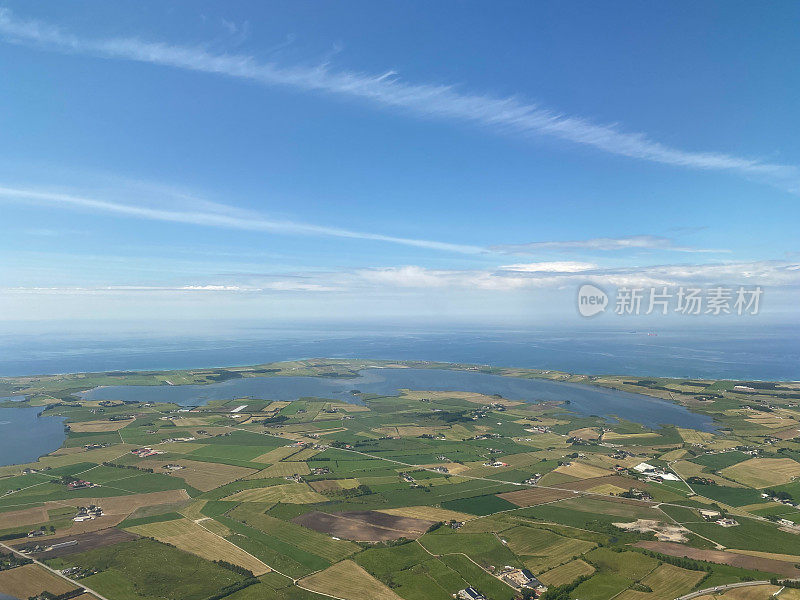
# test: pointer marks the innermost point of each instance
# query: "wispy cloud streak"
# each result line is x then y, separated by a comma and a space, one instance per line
628, 242
442, 101
218, 218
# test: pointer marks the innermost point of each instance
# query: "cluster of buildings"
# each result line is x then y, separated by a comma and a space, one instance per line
716, 517
87, 513
495, 463
145, 452
519, 579
655, 474
94, 446
637, 494
78, 572
537, 429
787, 501
79, 484
522, 579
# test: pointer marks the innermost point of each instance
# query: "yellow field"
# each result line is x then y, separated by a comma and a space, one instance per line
582, 471
31, 580
692, 436
192, 511
543, 440
305, 454
193, 537
124, 505
687, 469
283, 469
201, 475
290, 493
28, 516
566, 573
608, 489
772, 421
98, 426
275, 455
763, 472
753, 592
673, 455
468, 396
428, 513
349, 581
787, 557
587, 433
667, 582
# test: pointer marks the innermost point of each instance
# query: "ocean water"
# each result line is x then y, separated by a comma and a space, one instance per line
763, 353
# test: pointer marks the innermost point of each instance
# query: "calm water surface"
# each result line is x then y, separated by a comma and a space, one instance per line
585, 400
25, 436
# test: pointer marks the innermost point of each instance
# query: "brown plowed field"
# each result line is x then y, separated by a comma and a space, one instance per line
364, 526
744, 561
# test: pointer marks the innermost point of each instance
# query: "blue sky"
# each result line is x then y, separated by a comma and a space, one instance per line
392, 160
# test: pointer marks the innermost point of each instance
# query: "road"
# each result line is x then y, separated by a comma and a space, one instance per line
54, 572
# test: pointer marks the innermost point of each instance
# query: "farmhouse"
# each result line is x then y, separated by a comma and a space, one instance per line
710, 515
470, 593
145, 452
79, 484
727, 522
522, 578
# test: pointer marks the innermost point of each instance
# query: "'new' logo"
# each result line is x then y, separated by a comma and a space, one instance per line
591, 300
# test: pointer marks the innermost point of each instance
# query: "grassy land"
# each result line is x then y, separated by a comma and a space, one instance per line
226, 496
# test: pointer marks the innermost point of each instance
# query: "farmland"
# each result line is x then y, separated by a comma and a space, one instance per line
410, 496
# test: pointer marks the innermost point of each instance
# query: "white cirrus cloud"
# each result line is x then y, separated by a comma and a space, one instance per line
500, 114
550, 267
629, 242
218, 215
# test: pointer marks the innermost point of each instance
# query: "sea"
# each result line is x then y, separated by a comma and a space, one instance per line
769, 353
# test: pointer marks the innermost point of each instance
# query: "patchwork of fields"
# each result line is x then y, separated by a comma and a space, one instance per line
413, 496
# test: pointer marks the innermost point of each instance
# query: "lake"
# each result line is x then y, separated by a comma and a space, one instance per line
584, 399
25, 436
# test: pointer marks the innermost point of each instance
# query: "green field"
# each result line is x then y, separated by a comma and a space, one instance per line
376, 452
